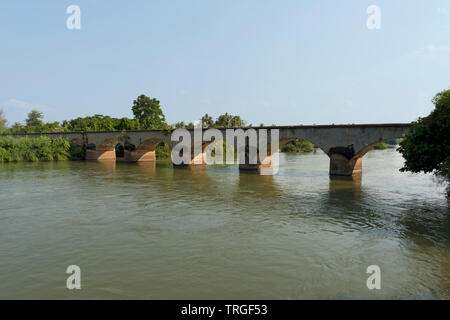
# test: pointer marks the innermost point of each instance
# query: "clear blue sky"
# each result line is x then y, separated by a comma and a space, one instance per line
272, 62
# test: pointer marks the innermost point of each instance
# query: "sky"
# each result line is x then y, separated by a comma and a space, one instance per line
283, 62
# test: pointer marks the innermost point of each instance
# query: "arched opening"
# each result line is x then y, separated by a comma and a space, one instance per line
144, 152
103, 151
346, 161
379, 145
163, 151
297, 145
120, 150
212, 150
77, 149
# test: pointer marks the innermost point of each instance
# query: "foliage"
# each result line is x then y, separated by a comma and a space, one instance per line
180, 125
77, 152
207, 121
120, 151
426, 147
163, 151
380, 146
149, 113
100, 122
34, 118
3, 121
229, 121
298, 145
33, 149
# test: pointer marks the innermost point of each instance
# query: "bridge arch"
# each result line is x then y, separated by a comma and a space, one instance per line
102, 149
371, 146
346, 161
286, 141
141, 151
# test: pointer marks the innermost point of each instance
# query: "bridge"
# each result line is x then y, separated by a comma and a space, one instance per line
344, 144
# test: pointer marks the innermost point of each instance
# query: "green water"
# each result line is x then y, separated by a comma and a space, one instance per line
145, 232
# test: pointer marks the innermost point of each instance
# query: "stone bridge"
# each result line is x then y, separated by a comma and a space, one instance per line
344, 144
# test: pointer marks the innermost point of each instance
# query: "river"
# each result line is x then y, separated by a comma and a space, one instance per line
154, 232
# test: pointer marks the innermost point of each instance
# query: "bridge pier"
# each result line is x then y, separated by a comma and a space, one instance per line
341, 166
139, 156
101, 155
197, 161
265, 164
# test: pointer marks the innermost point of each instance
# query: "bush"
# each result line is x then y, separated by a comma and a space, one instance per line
380, 146
298, 145
37, 149
163, 151
77, 152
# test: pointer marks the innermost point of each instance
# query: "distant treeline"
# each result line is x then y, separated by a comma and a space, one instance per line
147, 115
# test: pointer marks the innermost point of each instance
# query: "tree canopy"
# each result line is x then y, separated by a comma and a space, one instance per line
229, 121
2, 120
35, 118
149, 113
426, 147
207, 121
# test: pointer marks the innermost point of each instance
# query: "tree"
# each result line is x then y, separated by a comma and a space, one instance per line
190, 125
207, 121
3, 121
128, 124
35, 118
426, 147
180, 125
148, 112
229, 121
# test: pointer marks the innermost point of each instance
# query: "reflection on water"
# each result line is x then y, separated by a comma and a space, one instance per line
151, 231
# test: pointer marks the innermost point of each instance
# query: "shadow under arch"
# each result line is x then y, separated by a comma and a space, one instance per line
103, 151
119, 148
142, 151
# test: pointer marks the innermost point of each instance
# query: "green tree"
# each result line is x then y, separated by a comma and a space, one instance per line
426, 147
2, 120
298, 145
17, 127
229, 121
380, 146
35, 119
149, 113
190, 125
128, 124
207, 121
180, 125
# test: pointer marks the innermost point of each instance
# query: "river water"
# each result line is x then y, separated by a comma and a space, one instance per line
146, 232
